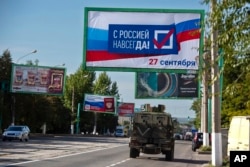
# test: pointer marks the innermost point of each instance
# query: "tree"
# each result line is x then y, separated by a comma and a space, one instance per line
5, 96
196, 106
232, 20
75, 87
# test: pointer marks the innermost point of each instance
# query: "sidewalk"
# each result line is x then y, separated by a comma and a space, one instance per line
206, 155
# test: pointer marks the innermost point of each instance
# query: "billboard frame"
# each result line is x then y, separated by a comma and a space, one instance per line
36, 67
127, 69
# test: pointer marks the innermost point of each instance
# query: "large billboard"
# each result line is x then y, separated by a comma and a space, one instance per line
167, 85
97, 103
142, 39
37, 79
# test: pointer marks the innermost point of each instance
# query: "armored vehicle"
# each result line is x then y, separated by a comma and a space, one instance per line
152, 133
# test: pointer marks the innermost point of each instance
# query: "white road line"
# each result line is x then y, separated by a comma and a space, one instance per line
62, 156
118, 162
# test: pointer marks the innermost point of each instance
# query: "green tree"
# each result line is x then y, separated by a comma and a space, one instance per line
75, 87
232, 20
196, 106
5, 96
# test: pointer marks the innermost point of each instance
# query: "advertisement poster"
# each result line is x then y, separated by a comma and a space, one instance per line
37, 79
167, 85
97, 103
126, 109
143, 39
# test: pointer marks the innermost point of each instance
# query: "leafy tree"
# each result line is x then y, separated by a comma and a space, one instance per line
75, 87
232, 20
5, 96
196, 106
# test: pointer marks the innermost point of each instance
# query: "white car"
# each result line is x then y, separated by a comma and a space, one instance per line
16, 133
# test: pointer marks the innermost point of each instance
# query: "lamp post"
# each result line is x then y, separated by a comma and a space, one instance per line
78, 112
13, 97
34, 51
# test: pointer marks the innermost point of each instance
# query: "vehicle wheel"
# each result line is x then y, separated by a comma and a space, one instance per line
193, 148
3, 139
27, 139
133, 153
169, 156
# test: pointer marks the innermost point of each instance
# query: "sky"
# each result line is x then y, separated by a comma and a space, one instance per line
55, 29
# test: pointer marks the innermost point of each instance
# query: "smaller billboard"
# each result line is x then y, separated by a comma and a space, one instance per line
167, 85
37, 79
126, 109
97, 103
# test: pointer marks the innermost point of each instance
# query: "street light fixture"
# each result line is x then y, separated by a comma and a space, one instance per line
34, 51
59, 65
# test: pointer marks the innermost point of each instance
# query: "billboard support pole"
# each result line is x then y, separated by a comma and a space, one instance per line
78, 118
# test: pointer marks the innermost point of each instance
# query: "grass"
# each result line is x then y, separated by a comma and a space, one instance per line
205, 148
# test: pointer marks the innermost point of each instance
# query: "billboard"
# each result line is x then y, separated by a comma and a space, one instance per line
126, 109
142, 39
167, 85
97, 103
37, 79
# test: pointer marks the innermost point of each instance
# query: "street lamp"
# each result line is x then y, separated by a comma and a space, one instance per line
34, 51
59, 65
13, 97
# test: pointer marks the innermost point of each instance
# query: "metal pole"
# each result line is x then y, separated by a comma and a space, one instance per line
78, 118
13, 109
216, 117
72, 112
95, 123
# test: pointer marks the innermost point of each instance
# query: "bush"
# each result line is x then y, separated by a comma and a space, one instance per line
205, 148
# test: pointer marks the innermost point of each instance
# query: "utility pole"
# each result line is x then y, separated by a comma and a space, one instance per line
205, 98
215, 74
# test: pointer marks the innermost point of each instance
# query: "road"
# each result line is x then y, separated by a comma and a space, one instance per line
79, 151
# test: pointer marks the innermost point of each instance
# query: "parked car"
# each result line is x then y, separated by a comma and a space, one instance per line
20, 132
197, 141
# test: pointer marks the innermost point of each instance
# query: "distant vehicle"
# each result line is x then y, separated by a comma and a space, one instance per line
188, 136
178, 136
239, 134
120, 131
197, 141
16, 133
152, 133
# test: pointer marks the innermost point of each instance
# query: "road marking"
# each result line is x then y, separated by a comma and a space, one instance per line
62, 156
118, 162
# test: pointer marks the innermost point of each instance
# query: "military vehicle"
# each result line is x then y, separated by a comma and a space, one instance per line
152, 133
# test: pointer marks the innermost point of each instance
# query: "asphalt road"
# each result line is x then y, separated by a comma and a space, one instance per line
79, 151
